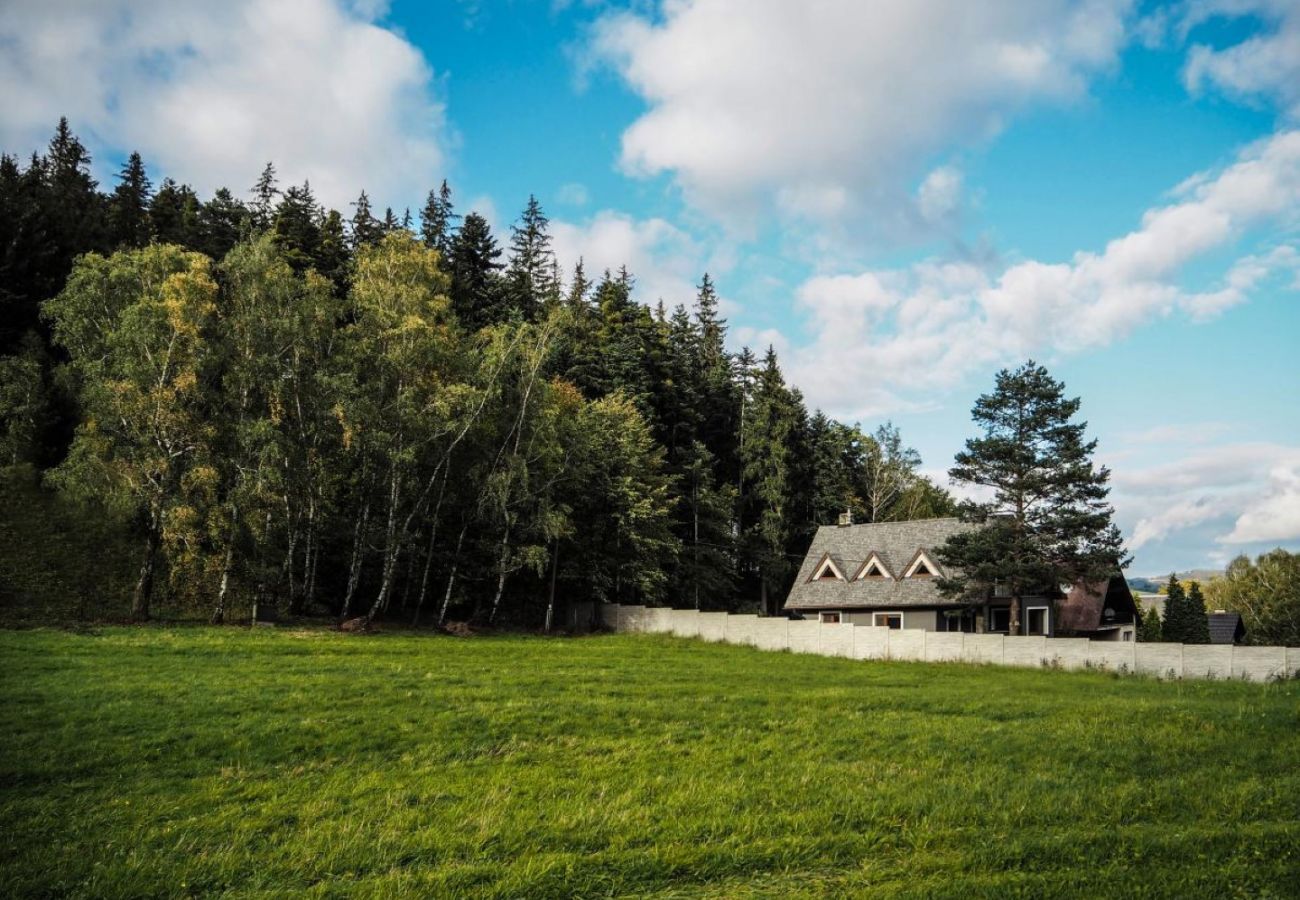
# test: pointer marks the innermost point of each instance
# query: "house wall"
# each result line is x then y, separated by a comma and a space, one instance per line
858, 641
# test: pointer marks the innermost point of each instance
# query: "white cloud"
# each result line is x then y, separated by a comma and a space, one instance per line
939, 197
822, 109
665, 261
573, 194
1265, 65
1247, 493
877, 335
209, 92
1276, 515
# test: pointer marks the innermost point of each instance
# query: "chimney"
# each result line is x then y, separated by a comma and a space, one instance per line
846, 518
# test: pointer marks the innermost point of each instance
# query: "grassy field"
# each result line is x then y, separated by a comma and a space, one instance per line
154, 762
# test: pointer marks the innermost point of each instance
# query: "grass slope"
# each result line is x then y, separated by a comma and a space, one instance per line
155, 762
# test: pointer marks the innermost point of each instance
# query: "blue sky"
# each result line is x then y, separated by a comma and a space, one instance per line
901, 196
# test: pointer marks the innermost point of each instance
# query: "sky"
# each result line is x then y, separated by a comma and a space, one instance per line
902, 196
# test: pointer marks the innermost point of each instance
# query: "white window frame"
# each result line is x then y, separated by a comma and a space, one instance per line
1047, 621
922, 557
880, 567
826, 562
839, 617
875, 616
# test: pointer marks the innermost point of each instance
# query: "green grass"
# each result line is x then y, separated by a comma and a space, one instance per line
153, 762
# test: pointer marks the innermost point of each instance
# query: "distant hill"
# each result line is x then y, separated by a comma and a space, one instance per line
1156, 582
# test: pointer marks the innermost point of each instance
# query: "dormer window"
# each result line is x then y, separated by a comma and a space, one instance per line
921, 566
827, 570
872, 570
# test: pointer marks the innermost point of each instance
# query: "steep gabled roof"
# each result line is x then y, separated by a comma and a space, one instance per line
896, 544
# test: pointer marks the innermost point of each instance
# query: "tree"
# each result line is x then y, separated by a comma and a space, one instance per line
477, 296
128, 210
365, 228
769, 464
1149, 627
530, 274
262, 210
1265, 593
891, 473
222, 221
1198, 624
1048, 522
174, 215
1177, 626
297, 228
437, 221
135, 327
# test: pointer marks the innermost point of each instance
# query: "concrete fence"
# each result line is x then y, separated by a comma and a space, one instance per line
869, 642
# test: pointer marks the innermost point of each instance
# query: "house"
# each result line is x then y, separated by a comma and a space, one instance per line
1226, 627
885, 574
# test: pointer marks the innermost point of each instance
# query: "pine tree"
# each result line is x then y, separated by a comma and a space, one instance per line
331, 258
437, 221
1177, 621
365, 228
1048, 523
296, 227
769, 468
477, 295
265, 191
174, 215
222, 221
390, 223
531, 272
1150, 630
1198, 623
129, 206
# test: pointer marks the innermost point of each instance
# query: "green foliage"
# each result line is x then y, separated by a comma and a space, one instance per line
1150, 630
265, 762
1266, 593
1185, 620
316, 414
1048, 522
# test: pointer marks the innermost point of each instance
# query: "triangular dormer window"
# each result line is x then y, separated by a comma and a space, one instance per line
921, 566
827, 570
872, 569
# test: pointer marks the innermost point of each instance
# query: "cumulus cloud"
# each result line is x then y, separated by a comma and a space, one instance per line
665, 260
877, 335
1248, 493
823, 109
209, 92
1264, 66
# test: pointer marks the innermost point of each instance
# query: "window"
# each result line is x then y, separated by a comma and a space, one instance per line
1036, 620
830, 618
957, 620
999, 620
873, 568
826, 570
921, 567
888, 620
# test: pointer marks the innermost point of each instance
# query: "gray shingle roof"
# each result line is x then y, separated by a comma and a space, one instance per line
1225, 628
895, 543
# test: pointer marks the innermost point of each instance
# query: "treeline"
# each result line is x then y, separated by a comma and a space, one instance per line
375, 415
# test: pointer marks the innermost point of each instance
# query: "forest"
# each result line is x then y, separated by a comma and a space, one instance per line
241, 406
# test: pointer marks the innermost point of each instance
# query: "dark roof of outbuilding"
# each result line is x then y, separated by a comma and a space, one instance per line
896, 545
1226, 628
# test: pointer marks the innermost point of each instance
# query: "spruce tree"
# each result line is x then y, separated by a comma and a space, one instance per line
265, 191
1149, 627
1198, 623
531, 272
174, 215
297, 227
222, 221
437, 221
1048, 522
365, 228
129, 206
476, 291
1177, 622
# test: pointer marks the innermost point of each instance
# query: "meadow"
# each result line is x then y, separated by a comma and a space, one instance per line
141, 762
